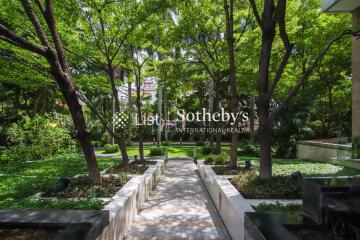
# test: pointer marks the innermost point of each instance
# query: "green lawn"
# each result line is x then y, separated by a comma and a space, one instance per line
20, 180
280, 166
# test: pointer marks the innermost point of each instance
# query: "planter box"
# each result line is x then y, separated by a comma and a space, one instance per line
127, 202
228, 201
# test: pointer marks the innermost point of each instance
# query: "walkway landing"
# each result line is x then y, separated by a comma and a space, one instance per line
178, 208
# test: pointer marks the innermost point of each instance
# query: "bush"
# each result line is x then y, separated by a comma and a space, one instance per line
157, 151
200, 143
110, 148
207, 150
37, 138
165, 143
252, 150
221, 159
105, 139
251, 186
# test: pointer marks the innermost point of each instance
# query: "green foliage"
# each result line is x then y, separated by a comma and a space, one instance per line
37, 138
280, 186
111, 148
292, 213
21, 180
157, 151
36, 204
105, 138
82, 187
252, 150
206, 150
165, 143
200, 143
295, 125
220, 159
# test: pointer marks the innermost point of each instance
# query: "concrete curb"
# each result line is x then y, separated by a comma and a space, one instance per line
128, 201
230, 204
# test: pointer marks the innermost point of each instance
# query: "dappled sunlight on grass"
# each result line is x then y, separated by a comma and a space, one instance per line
306, 167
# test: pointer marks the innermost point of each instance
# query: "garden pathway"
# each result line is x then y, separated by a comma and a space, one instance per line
178, 208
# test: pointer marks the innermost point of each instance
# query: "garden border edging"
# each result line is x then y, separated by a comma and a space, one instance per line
231, 205
127, 202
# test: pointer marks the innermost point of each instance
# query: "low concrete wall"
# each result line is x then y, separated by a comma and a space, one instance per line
320, 151
327, 152
228, 201
127, 202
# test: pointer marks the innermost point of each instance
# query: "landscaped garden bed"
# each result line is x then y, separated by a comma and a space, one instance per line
226, 170
290, 212
20, 181
132, 169
82, 187
251, 186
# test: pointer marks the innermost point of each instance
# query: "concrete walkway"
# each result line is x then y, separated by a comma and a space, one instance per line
178, 208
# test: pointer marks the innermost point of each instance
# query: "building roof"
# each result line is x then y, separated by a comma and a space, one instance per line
340, 5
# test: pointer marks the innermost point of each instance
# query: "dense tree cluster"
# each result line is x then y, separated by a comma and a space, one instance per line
73, 57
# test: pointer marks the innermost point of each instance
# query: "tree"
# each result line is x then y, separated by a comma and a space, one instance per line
274, 15
229, 16
138, 60
53, 51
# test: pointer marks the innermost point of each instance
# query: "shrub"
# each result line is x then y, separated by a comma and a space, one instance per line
165, 143
280, 186
105, 138
252, 150
37, 138
200, 143
110, 148
157, 151
221, 159
207, 150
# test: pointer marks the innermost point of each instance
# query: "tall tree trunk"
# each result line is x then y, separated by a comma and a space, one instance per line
211, 108
229, 11
159, 127
263, 103
139, 113
265, 133
113, 112
217, 125
166, 132
121, 139
82, 133
129, 112
59, 69
252, 120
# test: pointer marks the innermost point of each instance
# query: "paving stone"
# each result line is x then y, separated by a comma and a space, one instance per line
178, 208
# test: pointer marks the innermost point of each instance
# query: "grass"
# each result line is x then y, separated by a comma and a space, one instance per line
280, 166
290, 212
19, 181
